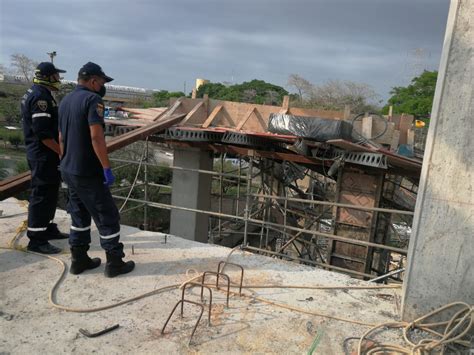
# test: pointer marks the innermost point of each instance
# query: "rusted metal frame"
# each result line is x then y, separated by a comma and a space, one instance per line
373, 224
335, 237
350, 258
262, 181
247, 200
133, 208
238, 186
295, 236
192, 284
337, 204
142, 132
285, 212
316, 246
224, 264
277, 226
253, 153
145, 172
208, 172
220, 192
269, 214
174, 309
169, 187
304, 246
124, 188
217, 282
240, 218
297, 250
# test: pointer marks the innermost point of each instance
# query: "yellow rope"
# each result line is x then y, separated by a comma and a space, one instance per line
464, 317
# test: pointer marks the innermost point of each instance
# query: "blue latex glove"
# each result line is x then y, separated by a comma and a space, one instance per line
109, 177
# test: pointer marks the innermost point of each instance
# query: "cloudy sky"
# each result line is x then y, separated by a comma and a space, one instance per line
163, 44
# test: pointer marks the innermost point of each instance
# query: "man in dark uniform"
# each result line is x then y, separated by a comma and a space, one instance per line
40, 126
85, 167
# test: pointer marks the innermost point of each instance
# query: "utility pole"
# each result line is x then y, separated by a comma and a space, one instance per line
52, 55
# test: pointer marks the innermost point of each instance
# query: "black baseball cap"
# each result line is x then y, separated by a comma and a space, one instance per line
47, 69
94, 69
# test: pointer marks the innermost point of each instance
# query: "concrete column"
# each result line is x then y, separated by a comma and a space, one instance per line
192, 190
441, 252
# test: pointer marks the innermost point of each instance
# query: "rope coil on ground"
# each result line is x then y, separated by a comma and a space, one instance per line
457, 327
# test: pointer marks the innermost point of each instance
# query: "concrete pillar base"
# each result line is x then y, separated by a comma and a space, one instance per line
192, 190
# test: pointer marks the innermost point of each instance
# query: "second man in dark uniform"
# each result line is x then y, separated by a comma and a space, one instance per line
85, 167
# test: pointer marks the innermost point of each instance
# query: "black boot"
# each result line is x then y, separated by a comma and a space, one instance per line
54, 233
44, 248
80, 261
115, 265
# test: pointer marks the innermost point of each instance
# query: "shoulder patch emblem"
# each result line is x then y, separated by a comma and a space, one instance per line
42, 104
100, 110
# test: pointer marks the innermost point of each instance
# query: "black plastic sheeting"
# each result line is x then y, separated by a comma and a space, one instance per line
314, 128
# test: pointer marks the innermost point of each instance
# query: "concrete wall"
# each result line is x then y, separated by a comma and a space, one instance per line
441, 252
192, 190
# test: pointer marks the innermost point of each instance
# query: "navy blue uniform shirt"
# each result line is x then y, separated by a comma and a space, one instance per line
77, 111
39, 113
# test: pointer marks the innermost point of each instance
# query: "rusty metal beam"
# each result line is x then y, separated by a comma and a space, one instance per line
251, 152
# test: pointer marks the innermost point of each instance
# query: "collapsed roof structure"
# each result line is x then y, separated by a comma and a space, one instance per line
325, 188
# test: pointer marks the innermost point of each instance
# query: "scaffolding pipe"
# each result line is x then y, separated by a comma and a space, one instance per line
344, 205
391, 273
145, 170
220, 196
247, 200
179, 168
238, 187
316, 263
260, 222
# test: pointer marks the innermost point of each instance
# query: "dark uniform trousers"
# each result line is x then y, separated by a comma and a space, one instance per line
89, 197
43, 198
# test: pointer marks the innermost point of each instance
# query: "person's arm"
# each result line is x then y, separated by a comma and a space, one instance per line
41, 116
99, 145
61, 145
52, 144
96, 121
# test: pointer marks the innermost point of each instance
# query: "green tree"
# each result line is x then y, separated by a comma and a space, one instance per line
10, 97
255, 91
64, 89
15, 139
162, 97
415, 99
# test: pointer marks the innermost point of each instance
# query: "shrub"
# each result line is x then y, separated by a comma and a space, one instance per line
15, 139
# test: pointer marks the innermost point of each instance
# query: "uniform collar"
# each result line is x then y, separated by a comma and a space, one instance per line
42, 88
82, 87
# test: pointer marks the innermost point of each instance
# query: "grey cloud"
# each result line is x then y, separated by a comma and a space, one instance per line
161, 44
